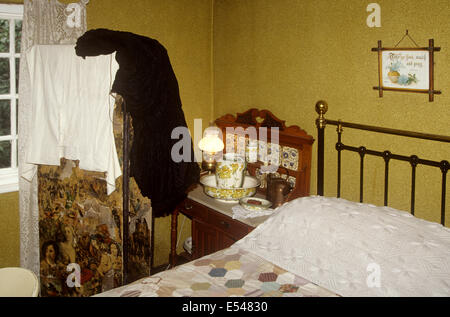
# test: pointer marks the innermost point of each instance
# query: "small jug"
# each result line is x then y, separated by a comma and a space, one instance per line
278, 190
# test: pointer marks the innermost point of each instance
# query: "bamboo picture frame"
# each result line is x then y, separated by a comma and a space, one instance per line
407, 69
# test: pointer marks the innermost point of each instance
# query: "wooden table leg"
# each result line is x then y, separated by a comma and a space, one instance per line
173, 238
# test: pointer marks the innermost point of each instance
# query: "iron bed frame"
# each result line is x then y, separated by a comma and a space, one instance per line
322, 107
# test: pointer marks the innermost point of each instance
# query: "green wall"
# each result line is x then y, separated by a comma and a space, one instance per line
285, 55
184, 28
9, 230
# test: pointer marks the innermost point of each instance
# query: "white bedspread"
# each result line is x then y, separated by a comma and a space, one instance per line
356, 249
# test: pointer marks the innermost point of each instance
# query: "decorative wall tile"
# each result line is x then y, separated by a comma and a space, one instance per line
273, 153
230, 143
251, 151
262, 151
241, 144
292, 180
261, 177
289, 158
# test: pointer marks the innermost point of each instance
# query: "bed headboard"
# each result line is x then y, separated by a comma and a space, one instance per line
292, 153
387, 156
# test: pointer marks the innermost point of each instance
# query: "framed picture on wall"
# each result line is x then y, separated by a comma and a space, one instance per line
407, 69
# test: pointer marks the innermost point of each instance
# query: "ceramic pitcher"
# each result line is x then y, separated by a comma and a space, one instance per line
230, 171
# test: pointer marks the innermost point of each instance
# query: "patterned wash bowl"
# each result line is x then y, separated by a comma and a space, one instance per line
229, 194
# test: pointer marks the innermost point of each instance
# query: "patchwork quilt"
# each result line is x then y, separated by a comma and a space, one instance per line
229, 272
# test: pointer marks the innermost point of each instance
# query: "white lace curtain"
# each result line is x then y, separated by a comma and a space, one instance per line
44, 22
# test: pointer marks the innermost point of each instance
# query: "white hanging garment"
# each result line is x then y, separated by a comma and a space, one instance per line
72, 111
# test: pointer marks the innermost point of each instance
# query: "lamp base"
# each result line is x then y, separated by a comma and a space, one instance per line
209, 166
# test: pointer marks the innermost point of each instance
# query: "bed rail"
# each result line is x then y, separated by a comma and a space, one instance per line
414, 160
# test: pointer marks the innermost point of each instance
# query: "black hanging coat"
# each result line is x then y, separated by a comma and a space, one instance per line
147, 83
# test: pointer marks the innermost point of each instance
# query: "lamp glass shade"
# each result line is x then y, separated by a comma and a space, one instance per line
211, 143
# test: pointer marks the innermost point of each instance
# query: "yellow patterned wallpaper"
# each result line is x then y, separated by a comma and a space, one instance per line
9, 229
285, 55
184, 28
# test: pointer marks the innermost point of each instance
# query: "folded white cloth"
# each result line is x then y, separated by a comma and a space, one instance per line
240, 212
72, 111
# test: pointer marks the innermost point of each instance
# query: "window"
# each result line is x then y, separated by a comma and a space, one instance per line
10, 36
